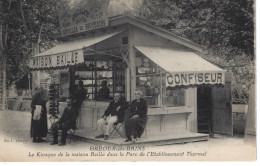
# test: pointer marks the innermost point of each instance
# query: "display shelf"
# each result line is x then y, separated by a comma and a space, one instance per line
107, 78
147, 74
93, 72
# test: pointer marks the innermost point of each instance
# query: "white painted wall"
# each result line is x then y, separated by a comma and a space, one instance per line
191, 100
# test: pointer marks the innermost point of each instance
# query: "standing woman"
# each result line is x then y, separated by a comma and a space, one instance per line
39, 126
135, 125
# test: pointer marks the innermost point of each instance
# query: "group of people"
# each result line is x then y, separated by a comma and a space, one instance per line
67, 121
135, 122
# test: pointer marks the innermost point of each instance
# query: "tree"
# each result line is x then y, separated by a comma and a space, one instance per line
26, 27
224, 27
3, 47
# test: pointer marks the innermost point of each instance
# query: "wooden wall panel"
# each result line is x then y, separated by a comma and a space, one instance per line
191, 100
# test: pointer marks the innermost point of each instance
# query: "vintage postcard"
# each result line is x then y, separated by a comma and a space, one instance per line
127, 80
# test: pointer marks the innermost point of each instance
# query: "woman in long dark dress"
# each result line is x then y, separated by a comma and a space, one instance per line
135, 125
39, 127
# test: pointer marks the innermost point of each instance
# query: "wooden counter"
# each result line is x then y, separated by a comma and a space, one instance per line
161, 121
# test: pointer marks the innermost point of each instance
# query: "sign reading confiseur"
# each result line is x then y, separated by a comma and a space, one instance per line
87, 15
57, 60
177, 79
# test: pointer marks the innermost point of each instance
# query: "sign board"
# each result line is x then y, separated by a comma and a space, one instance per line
57, 60
85, 16
177, 79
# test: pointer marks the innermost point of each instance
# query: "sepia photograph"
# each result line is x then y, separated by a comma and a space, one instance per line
127, 80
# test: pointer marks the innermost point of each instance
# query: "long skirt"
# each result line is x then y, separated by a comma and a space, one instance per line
39, 128
135, 127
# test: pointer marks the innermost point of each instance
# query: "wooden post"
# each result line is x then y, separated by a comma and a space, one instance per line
250, 129
132, 57
160, 88
127, 74
127, 84
72, 70
191, 101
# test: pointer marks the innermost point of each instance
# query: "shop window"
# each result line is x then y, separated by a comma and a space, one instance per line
174, 97
148, 80
99, 69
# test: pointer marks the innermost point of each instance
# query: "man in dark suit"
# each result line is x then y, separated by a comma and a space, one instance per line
113, 114
103, 93
66, 122
80, 95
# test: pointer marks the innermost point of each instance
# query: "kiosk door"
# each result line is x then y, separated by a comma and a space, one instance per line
222, 108
204, 109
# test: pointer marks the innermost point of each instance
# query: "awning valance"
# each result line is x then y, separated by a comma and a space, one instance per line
184, 67
65, 54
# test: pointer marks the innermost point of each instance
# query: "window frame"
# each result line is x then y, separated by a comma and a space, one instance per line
93, 59
162, 85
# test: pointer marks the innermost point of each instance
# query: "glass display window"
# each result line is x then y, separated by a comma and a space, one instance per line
98, 69
174, 97
150, 79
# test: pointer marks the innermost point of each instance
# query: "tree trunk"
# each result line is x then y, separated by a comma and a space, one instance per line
2, 70
35, 74
4, 80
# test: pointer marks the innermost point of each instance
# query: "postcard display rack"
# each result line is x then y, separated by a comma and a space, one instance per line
54, 100
92, 73
148, 80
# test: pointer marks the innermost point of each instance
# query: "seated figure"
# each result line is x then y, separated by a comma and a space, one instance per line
66, 122
103, 93
135, 125
113, 114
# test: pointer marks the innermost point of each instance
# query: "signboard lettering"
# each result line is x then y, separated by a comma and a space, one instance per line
87, 15
178, 79
57, 60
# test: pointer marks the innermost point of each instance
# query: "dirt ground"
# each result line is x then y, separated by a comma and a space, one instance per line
16, 145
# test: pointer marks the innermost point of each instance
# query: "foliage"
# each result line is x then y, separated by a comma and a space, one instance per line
31, 23
223, 27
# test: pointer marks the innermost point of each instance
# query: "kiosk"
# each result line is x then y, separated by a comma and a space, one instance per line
132, 54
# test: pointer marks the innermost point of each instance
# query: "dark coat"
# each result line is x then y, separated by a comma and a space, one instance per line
69, 116
103, 94
111, 110
39, 128
80, 96
139, 108
136, 126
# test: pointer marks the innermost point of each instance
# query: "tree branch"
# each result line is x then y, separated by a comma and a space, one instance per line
4, 14
9, 5
23, 18
5, 38
39, 34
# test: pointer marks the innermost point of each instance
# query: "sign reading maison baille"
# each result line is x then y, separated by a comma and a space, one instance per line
177, 79
57, 60
88, 15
